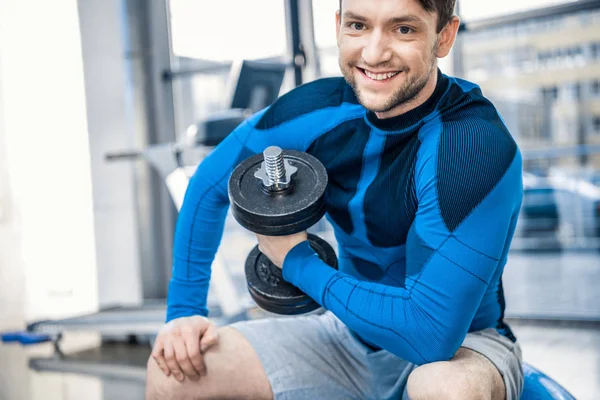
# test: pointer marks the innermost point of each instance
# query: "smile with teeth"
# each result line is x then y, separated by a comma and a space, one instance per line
380, 77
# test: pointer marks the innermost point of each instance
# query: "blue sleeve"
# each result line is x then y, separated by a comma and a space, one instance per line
450, 261
202, 216
200, 225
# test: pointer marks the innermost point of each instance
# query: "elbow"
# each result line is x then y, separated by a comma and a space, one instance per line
444, 352
437, 340
441, 349
426, 349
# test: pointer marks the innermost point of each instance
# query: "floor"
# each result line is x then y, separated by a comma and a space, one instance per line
569, 355
539, 288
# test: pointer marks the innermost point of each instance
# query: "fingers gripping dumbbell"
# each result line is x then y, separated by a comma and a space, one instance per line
279, 193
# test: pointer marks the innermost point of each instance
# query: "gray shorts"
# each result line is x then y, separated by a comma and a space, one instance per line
318, 357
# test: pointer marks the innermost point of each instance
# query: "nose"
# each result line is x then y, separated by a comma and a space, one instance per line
376, 49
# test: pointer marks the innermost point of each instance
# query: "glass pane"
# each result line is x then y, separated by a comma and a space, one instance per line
476, 9
207, 37
325, 38
324, 21
228, 29
543, 75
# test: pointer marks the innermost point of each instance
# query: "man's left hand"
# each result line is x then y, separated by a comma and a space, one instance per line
277, 247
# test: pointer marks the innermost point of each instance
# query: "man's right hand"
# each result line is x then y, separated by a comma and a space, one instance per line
180, 345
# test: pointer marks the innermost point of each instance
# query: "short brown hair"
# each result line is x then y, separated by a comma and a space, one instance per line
444, 8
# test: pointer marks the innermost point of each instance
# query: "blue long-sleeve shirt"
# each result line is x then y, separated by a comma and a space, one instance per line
423, 206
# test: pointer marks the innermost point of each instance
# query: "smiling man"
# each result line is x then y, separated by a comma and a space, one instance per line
424, 194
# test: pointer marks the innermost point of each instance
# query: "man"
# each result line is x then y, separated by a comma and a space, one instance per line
424, 195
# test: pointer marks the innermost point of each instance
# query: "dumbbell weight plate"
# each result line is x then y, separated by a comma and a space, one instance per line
279, 214
268, 289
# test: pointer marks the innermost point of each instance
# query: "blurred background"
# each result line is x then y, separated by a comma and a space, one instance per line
106, 107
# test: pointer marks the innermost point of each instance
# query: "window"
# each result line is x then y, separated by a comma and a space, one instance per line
574, 51
206, 35
325, 38
550, 94
576, 90
596, 88
595, 50
324, 22
543, 58
596, 124
200, 29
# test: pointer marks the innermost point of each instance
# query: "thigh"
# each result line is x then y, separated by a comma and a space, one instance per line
233, 372
307, 357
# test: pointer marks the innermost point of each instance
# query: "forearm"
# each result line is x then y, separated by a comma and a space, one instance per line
418, 325
197, 237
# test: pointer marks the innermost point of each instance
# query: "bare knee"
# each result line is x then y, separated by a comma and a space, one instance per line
435, 381
468, 376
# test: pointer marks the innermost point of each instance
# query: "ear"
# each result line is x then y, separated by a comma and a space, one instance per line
447, 37
338, 24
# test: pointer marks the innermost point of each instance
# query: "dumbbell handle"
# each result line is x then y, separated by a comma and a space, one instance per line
271, 292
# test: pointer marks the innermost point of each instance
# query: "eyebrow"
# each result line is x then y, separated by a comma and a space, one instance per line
395, 20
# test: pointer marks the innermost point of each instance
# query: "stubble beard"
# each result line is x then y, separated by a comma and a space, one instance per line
405, 94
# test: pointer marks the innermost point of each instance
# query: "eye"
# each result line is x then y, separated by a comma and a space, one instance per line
405, 30
356, 26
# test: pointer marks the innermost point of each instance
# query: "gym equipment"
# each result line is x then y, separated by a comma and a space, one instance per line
271, 292
279, 193
122, 323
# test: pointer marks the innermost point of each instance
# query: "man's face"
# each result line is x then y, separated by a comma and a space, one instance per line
387, 49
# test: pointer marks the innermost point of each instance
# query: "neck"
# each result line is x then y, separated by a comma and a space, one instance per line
415, 102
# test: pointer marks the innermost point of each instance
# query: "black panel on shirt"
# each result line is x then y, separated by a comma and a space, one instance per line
313, 96
391, 200
368, 269
340, 150
475, 151
501, 326
456, 97
418, 253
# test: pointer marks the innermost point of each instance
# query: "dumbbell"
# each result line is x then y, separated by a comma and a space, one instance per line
279, 193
